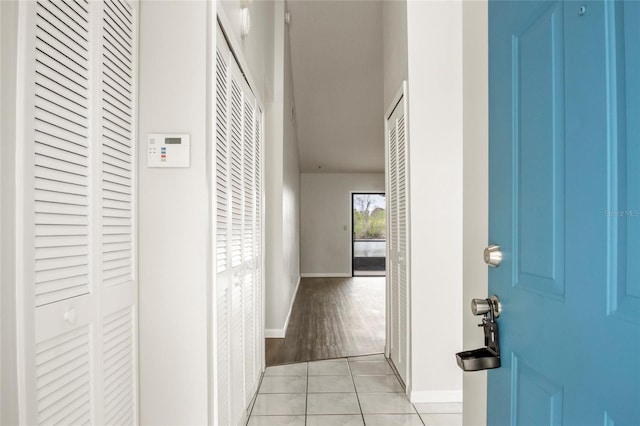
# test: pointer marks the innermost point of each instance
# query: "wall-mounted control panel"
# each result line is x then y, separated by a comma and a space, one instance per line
168, 150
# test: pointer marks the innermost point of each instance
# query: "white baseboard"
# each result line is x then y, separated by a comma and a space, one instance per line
325, 275
274, 333
279, 333
435, 396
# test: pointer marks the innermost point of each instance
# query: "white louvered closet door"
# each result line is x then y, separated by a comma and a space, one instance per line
77, 286
398, 208
238, 239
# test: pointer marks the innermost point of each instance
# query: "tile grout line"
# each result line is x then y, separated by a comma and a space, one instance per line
398, 378
355, 390
255, 398
306, 396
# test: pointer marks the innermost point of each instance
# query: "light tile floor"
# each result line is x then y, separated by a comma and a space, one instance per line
348, 391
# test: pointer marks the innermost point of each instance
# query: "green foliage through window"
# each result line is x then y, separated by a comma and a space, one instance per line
369, 217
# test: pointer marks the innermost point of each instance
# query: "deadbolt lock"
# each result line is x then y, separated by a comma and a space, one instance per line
493, 256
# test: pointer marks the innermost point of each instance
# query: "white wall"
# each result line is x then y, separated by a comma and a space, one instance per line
476, 194
256, 48
173, 216
8, 59
277, 292
325, 211
282, 179
290, 204
435, 159
394, 23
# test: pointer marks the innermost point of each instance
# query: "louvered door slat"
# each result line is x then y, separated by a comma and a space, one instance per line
116, 201
57, 230
47, 154
236, 173
62, 42
115, 255
223, 372
76, 9
60, 176
61, 241
257, 246
114, 100
112, 186
49, 124
115, 179
70, 66
61, 156
119, 355
67, 271
237, 351
402, 239
52, 77
116, 216
118, 53
58, 104
62, 289
61, 198
60, 262
62, 165
223, 258
248, 184
48, 12
120, 167
117, 119
115, 38
116, 23
60, 187
62, 396
117, 211
64, 380
125, 11
117, 157
248, 295
79, 16
114, 92
222, 164
258, 174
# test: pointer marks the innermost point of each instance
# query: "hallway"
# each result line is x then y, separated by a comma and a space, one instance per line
332, 318
347, 391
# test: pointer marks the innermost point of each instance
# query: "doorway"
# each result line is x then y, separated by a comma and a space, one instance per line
368, 231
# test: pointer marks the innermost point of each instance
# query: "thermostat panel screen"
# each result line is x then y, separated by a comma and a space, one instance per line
172, 140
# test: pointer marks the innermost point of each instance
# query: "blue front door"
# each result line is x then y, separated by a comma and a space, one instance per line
565, 209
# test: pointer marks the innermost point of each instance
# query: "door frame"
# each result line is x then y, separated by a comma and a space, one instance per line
475, 215
352, 196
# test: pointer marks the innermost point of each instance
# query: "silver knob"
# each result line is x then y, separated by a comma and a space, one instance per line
483, 306
480, 306
493, 256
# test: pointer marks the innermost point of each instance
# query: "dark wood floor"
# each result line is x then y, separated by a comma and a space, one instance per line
332, 318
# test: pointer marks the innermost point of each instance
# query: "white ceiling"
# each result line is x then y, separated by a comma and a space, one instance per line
336, 56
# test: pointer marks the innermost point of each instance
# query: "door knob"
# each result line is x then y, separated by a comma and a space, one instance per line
484, 306
493, 256
71, 316
487, 357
